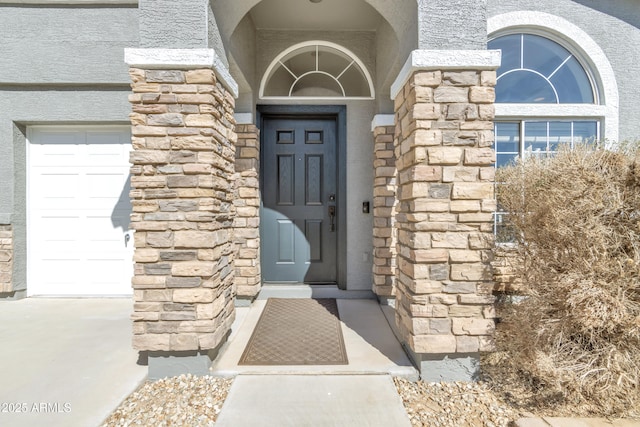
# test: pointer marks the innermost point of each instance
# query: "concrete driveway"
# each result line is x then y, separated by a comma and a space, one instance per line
65, 362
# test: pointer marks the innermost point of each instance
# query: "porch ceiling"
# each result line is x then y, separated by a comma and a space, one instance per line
305, 15
242, 23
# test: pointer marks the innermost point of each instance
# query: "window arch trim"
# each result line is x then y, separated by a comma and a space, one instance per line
591, 55
354, 60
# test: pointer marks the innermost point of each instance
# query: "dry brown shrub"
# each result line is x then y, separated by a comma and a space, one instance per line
575, 339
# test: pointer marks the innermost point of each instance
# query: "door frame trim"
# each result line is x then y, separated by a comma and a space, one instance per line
339, 112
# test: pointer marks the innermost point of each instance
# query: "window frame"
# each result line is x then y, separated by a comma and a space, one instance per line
498, 214
522, 152
583, 48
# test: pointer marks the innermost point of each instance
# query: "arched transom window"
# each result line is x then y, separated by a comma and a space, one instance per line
536, 69
316, 69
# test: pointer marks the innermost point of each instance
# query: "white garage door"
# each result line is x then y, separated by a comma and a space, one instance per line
79, 242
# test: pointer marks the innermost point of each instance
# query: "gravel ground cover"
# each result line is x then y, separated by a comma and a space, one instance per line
186, 400
196, 401
454, 404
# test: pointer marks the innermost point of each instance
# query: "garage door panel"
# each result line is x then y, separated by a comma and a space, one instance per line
54, 186
107, 186
56, 234
59, 274
112, 269
57, 226
79, 212
106, 149
101, 239
97, 137
60, 148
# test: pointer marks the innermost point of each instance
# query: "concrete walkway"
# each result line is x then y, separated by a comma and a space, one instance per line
65, 362
313, 400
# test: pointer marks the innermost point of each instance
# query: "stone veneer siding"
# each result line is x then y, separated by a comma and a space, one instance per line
6, 258
384, 211
504, 263
182, 196
247, 203
445, 163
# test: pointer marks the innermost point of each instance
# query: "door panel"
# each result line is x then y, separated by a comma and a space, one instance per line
286, 241
286, 180
314, 180
299, 185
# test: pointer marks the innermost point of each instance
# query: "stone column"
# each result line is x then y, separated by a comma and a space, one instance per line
6, 258
247, 220
445, 165
182, 197
384, 207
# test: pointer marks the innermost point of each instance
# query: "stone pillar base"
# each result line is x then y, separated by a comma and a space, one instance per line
16, 295
163, 364
244, 301
437, 368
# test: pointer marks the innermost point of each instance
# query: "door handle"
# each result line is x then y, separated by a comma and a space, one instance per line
332, 218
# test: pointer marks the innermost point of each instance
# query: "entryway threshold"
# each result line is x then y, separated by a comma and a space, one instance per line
372, 348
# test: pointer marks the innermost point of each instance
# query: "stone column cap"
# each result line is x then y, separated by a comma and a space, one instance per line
181, 59
426, 60
382, 120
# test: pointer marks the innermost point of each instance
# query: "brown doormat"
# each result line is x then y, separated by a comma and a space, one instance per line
297, 332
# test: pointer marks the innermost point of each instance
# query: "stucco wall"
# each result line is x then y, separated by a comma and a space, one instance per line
359, 189
452, 25
243, 64
65, 44
389, 60
615, 27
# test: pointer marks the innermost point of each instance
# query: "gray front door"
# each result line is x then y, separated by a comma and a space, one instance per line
299, 221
